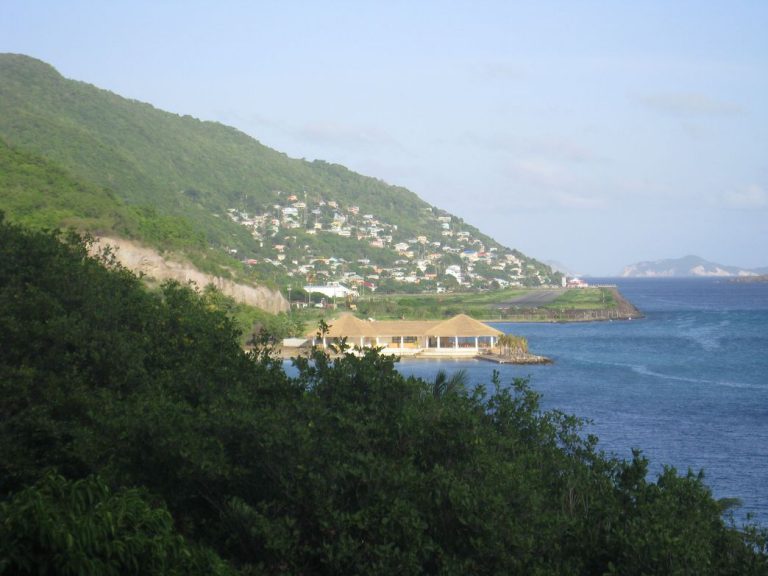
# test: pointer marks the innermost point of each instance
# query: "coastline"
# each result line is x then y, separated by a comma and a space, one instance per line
620, 309
591, 304
289, 353
623, 310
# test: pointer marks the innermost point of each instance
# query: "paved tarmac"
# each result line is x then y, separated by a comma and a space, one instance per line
533, 299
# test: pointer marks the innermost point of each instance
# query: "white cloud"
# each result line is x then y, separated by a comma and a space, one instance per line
691, 104
543, 148
750, 197
538, 171
540, 183
578, 201
564, 149
500, 70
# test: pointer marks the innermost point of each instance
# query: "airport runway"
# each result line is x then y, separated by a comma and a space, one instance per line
533, 299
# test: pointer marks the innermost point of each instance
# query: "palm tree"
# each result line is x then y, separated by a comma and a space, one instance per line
510, 345
443, 385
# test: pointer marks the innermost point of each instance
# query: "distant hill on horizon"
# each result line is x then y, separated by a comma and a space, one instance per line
685, 267
562, 268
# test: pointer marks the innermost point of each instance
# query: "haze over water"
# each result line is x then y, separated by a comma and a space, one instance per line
688, 384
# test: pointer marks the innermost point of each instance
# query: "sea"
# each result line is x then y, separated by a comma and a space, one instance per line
687, 384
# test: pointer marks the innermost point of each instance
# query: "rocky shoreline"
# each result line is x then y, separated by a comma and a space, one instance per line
514, 359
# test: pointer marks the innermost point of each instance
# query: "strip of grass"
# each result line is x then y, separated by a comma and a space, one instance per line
480, 305
466, 299
584, 299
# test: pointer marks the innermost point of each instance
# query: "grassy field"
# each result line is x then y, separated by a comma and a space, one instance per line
572, 305
495, 305
584, 299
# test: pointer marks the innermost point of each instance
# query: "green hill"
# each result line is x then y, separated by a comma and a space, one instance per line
190, 181
40, 194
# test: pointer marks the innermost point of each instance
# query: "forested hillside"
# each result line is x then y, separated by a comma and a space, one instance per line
40, 194
206, 182
136, 436
157, 158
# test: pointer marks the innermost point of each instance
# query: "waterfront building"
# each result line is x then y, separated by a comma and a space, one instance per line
460, 336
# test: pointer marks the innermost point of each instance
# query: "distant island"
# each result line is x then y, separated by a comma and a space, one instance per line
685, 267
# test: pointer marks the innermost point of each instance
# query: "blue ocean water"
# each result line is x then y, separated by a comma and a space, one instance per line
688, 384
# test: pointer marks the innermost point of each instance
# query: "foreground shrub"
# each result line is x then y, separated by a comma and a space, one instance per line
166, 439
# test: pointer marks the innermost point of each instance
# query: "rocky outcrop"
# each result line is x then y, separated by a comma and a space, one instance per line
147, 261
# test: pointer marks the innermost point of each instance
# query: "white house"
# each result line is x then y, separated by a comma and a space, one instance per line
454, 271
332, 290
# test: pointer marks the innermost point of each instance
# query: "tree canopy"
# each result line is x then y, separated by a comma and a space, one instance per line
136, 436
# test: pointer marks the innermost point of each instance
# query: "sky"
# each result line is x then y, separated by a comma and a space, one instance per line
596, 134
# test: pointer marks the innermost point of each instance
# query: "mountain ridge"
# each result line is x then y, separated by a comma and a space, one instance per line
184, 177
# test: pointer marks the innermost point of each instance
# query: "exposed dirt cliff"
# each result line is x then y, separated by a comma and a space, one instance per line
155, 266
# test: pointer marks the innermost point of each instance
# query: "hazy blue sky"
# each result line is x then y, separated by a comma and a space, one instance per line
593, 133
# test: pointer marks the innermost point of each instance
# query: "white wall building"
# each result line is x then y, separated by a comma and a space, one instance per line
332, 290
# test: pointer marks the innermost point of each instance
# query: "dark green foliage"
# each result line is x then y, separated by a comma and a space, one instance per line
252, 321
39, 194
76, 336
81, 528
345, 468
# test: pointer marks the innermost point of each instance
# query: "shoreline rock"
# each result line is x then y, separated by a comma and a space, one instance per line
516, 359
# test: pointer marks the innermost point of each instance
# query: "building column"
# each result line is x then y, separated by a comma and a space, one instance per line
401, 342
455, 342
477, 343
438, 342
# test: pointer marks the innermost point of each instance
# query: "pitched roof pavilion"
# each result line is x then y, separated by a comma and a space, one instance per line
461, 326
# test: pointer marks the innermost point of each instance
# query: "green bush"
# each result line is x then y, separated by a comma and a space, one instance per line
82, 528
346, 467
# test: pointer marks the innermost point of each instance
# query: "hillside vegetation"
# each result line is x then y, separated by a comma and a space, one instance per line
162, 159
136, 436
193, 185
39, 193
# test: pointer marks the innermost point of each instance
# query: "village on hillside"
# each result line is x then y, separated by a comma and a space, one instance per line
344, 251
